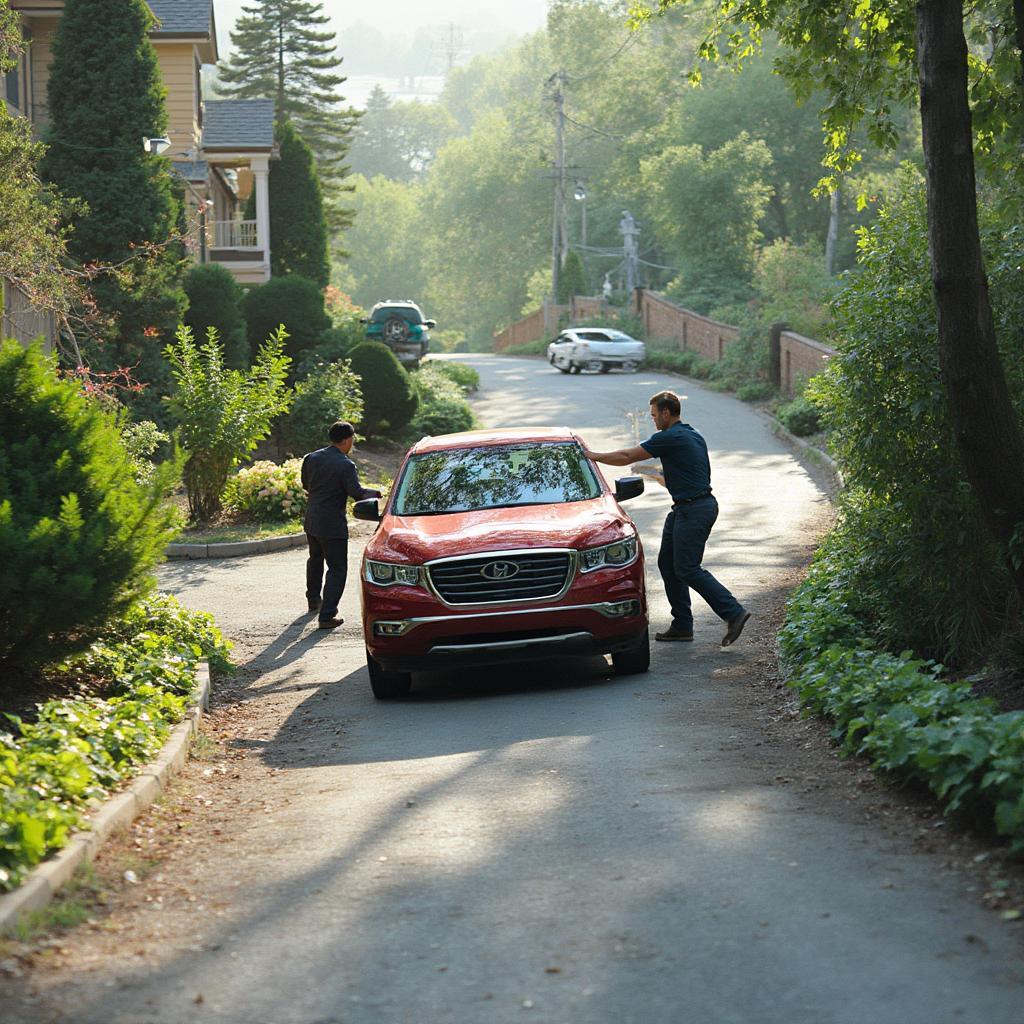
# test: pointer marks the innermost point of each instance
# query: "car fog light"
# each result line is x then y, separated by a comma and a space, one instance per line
621, 609
390, 628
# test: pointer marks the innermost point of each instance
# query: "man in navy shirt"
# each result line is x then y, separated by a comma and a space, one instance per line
687, 477
330, 479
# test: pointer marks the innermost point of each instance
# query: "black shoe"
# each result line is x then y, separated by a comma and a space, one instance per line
314, 606
674, 634
735, 627
329, 623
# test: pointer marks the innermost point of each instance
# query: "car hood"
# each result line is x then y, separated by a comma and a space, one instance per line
575, 524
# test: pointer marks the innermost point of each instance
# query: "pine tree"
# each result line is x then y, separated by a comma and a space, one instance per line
105, 97
572, 280
298, 229
282, 53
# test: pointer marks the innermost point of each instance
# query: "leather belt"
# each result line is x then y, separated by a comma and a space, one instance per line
690, 501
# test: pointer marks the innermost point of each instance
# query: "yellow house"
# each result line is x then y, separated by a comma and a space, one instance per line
220, 148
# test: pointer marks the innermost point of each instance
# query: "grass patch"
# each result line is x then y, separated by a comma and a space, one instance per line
73, 905
228, 533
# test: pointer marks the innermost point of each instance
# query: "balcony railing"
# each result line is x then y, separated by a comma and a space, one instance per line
232, 234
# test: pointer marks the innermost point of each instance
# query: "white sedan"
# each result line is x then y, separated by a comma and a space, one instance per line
595, 348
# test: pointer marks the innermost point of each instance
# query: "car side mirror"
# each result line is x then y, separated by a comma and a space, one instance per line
364, 319
367, 509
430, 323
627, 487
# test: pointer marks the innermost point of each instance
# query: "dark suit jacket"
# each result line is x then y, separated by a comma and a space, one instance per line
330, 478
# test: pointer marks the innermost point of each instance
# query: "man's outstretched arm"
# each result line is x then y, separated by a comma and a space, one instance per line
622, 457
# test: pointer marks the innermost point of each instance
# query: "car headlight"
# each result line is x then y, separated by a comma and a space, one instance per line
622, 552
390, 574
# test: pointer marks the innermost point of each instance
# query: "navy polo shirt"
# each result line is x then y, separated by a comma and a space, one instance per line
684, 460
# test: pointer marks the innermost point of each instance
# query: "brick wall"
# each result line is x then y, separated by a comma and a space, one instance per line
667, 321
530, 328
800, 359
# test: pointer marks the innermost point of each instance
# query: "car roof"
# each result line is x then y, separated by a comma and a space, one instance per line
603, 330
408, 303
493, 438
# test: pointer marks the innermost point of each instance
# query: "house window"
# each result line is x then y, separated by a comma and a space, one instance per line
12, 85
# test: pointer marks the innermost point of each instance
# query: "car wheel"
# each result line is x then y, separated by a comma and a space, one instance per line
631, 366
606, 367
635, 660
575, 368
386, 685
561, 369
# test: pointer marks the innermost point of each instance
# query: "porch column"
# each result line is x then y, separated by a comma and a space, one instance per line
260, 169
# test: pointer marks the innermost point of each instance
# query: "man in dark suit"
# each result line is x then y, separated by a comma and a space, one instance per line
330, 479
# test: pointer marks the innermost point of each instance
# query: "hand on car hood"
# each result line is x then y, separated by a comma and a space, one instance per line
576, 524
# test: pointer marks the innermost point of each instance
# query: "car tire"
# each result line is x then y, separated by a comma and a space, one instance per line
635, 660
386, 685
631, 366
575, 368
560, 369
606, 367
396, 331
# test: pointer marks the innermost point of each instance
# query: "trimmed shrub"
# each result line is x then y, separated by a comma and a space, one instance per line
222, 414
527, 348
293, 301
267, 491
442, 408
685, 361
755, 391
800, 417
465, 376
215, 300
389, 399
331, 392
79, 535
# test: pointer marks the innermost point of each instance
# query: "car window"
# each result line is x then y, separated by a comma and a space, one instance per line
461, 479
405, 312
596, 336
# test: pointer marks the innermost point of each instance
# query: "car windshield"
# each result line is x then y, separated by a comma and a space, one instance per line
605, 336
405, 312
463, 479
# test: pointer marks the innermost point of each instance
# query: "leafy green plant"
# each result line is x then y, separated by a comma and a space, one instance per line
141, 440
77, 750
330, 392
266, 490
684, 361
79, 535
755, 391
389, 399
799, 416
527, 348
222, 414
442, 408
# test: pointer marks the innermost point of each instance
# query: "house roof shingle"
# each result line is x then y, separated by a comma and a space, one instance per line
238, 124
192, 171
183, 17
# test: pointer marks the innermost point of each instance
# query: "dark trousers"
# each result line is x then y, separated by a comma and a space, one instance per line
682, 550
333, 551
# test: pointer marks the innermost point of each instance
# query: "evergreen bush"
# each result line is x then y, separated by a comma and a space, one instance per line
389, 400
331, 392
79, 535
215, 300
442, 408
104, 96
294, 301
465, 376
222, 414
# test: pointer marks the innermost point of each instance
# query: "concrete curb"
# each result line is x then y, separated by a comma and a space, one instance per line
117, 812
236, 548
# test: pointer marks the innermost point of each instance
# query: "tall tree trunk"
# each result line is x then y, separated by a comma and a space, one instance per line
833, 231
985, 424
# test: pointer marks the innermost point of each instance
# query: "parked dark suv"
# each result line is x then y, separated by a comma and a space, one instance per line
399, 324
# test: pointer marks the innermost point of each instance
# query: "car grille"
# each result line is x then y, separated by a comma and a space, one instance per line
489, 578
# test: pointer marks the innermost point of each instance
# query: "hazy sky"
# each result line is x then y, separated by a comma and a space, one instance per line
405, 16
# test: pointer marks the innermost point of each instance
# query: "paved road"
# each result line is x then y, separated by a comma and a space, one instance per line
554, 844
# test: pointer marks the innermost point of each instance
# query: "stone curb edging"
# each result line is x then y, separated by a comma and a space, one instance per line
117, 812
235, 548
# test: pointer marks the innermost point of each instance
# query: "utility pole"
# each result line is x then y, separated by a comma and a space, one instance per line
450, 46
559, 226
630, 249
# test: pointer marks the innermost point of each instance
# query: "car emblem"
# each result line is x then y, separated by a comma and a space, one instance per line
499, 570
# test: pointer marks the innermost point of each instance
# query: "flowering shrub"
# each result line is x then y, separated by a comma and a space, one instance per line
266, 490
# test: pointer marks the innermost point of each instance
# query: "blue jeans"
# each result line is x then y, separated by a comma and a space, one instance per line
333, 551
687, 529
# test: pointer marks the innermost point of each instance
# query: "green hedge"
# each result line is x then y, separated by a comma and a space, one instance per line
900, 711
52, 770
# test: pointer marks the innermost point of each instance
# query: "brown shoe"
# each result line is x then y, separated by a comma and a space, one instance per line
329, 623
674, 634
734, 628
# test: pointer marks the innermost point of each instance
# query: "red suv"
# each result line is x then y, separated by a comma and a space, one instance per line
497, 546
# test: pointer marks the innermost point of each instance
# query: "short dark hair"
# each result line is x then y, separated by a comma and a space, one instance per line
667, 401
340, 431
